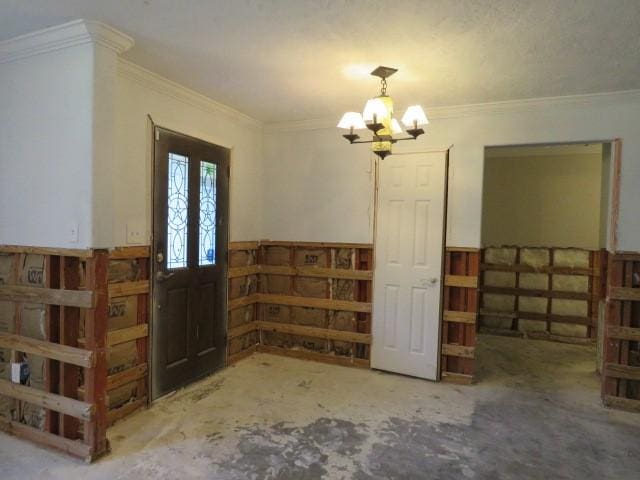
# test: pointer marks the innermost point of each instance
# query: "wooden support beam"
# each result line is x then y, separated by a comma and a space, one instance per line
68, 406
242, 301
540, 316
124, 253
318, 272
235, 272
624, 293
48, 296
327, 334
63, 252
530, 292
62, 353
71, 447
127, 376
124, 335
344, 305
457, 378
623, 333
622, 403
242, 330
125, 410
247, 352
521, 268
459, 317
126, 289
315, 356
463, 281
622, 371
458, 351
243, 245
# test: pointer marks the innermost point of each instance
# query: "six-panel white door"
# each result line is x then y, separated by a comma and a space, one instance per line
408, 264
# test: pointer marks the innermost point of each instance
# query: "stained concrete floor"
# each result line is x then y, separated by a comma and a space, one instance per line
534, 415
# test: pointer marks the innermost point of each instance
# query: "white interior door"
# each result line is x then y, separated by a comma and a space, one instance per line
408, 264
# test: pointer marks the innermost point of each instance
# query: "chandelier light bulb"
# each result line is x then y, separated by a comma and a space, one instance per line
374, 111
352, 120
414, 116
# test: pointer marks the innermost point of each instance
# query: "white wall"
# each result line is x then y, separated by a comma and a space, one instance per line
290, 155
45, 148
542, 200
141, 93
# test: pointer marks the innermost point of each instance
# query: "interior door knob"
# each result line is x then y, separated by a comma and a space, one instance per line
162, 276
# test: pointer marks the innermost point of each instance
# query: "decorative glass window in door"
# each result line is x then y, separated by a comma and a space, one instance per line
207, 232
177, 218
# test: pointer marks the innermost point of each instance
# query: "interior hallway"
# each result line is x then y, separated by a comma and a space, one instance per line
535, 414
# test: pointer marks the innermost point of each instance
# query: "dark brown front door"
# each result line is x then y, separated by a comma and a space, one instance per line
190, 234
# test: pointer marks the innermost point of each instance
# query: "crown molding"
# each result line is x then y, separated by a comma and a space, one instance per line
459, 111
76, 32
167, 87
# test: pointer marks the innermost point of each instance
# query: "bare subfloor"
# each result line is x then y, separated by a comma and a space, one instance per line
534, 414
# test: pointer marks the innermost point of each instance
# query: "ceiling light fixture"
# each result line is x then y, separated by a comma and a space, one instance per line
378, 117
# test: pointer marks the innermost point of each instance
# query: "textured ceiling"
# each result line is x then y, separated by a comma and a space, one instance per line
286, 60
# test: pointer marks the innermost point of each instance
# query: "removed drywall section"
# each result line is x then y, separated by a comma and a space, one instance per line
546, 293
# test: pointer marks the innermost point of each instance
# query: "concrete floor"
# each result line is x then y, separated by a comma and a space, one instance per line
535, 414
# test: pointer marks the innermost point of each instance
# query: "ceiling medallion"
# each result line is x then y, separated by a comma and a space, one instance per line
378, 117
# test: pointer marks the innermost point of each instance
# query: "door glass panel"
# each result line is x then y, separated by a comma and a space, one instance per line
207, 214
177, 212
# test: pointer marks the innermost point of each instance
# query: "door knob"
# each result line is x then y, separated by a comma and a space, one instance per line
162, 276
428, 282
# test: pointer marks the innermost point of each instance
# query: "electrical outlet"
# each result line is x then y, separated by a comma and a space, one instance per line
73, 233
136, 233
19, 372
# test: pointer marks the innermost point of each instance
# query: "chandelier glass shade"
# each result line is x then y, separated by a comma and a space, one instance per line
377, 116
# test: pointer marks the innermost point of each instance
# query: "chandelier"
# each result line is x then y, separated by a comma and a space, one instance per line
378, 117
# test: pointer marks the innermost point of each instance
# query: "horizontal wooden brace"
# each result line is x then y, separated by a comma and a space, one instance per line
458, 351
495, 267
308, 271
552, 317
126, 289
49, 296
242, 301
127, 376
124, 335
622, 403
235, 272
242, 330
247, 352
315, 244
459, 317
462, 249
68, 406
461, 281
621, 371
457, 378
325, 303
62, 252
123, 253
327, 334
530, 292
125, 410
54, 351
624, 293
623, 333
318, 357
75, 448
243, 245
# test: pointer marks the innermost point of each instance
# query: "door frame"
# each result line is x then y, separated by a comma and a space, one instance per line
376, 161
153, 264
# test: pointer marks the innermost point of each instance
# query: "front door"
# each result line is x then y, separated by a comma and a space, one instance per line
408, 249
190, 234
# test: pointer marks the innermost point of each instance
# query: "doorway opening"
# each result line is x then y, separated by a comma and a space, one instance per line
189, 260
545, 233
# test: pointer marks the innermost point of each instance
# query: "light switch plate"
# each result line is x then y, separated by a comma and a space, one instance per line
136, 233
73, 232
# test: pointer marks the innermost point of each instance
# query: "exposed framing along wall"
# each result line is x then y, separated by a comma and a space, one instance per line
128, 332
459, 314
48, 297
542, 292
621, 369
301, 299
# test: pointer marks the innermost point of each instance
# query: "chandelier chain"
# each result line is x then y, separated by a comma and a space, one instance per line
384, 86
